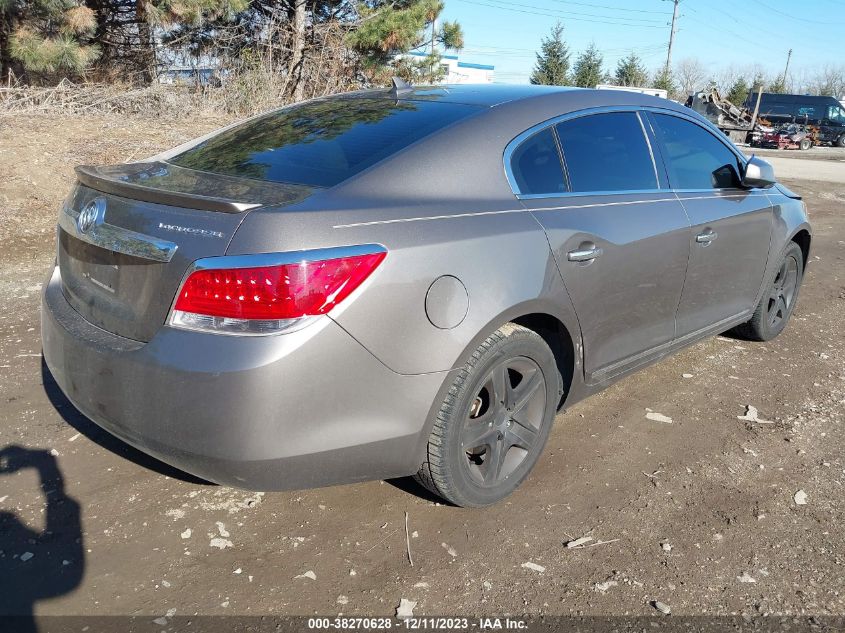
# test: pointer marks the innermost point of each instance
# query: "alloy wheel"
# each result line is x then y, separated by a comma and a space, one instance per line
504, 420
782, 292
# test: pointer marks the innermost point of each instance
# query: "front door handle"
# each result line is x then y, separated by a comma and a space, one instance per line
706, 237
584, 255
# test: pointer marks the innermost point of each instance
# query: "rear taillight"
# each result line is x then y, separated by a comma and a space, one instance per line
268, 293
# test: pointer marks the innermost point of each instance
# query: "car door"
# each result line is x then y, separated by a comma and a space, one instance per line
731, 226
618, 235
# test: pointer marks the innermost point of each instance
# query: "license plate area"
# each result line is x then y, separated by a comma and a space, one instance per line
98, 266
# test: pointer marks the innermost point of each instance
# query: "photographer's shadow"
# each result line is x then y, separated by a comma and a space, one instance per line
37, 565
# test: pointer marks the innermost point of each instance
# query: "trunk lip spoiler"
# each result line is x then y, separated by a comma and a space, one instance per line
92, 177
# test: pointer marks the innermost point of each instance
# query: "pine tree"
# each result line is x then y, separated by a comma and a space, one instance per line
738, 92
387, 29
45, 36
778, 85
588, 71
630, 71
552, 67
663, 80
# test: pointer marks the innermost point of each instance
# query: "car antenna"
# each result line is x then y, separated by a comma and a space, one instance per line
400, 87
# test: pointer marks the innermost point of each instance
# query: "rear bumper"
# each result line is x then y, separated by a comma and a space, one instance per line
297, 410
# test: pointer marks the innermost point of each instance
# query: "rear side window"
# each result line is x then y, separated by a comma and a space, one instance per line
694, 157
536, 166
779, 110
607, 152
321, 143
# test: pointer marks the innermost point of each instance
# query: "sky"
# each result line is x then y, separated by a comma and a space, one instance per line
719, 33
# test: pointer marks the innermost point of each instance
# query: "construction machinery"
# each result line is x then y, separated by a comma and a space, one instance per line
740, 123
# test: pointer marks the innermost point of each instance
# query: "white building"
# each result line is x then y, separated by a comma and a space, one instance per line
458, 72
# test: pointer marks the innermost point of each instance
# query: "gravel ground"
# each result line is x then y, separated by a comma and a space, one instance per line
826, 152
709, 513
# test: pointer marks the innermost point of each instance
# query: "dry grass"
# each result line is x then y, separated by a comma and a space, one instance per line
246, 94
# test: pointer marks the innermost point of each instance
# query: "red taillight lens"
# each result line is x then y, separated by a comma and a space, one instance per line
286, 291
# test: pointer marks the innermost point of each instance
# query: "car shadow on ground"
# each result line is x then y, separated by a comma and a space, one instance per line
410, 486
103, 438
37, 565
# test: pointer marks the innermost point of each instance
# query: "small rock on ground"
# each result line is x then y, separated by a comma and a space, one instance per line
662, 607
405, 608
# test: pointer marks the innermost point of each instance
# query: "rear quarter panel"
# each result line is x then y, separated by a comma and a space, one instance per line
500, 255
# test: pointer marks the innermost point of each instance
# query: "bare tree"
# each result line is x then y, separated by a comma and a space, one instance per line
727, 77
829, 81
691, 75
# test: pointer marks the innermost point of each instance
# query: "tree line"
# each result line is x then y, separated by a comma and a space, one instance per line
555, 65
339, 43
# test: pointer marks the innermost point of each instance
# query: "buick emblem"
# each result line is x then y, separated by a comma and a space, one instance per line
89, 215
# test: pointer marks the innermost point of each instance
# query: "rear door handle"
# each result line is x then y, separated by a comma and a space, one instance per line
706, 237
585, 255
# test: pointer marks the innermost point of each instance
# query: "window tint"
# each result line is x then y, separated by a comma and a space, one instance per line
536, 165
779, 110
321, 142
606, 152
694, 157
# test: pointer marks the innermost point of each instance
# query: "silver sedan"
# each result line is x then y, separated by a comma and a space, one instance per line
407, 282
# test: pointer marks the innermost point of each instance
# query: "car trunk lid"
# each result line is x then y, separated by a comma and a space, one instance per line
128, 233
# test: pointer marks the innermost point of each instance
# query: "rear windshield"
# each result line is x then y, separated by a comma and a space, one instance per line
321, 143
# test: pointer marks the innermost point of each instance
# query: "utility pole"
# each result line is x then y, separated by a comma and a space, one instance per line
672, 35
786, 69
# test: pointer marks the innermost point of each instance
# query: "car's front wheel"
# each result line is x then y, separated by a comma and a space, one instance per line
492, 425
773, 312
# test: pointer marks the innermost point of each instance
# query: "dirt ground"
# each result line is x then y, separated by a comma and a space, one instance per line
699, 513
820, 152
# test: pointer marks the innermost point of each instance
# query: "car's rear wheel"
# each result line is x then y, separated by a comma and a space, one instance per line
840, 142
495, 419
773, 312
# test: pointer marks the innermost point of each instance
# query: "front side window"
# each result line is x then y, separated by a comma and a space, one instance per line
694, 157
607, 152
836, 114
536, 167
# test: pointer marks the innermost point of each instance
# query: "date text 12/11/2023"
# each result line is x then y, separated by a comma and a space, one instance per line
418, 623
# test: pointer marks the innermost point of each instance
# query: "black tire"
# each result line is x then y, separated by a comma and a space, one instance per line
840, 142
480, 451
779, 299
805, 144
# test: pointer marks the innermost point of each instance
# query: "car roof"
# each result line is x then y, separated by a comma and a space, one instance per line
488, 95
567, 98
484, 94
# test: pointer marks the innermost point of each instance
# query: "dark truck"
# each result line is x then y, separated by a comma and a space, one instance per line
825, 113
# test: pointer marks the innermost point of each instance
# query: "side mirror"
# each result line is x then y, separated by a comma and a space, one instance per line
758, 173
